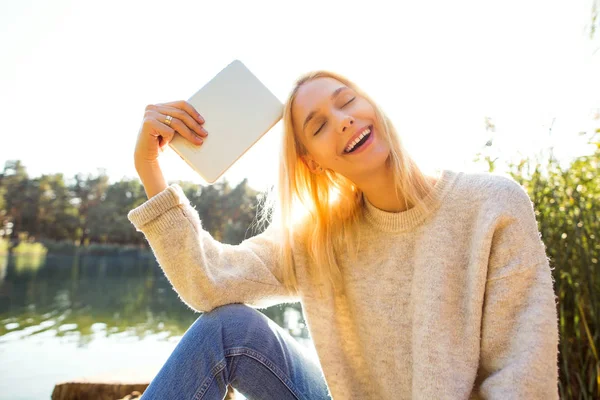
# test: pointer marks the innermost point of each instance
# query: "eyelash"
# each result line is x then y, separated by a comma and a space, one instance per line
321, 127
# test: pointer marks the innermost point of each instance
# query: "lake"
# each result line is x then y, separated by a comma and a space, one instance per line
66, 317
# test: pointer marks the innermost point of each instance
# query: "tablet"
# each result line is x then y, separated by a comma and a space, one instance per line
238, 109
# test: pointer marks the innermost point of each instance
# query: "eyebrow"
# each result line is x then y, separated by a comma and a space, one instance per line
313, 113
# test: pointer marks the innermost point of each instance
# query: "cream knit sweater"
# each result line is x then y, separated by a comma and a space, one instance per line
454, 304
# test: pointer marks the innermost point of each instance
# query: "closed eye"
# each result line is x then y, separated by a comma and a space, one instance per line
350, 101
318, 130
321, 127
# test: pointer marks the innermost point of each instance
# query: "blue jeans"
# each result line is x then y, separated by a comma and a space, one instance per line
239, 346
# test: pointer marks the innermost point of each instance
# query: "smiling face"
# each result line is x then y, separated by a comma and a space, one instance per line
339, 130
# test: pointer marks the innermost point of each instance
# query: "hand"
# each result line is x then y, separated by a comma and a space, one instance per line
155, 133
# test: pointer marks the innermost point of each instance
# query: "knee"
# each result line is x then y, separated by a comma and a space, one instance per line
233, 311
232, 325
233, 317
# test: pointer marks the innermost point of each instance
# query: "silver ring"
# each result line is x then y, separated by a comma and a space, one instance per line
168, 120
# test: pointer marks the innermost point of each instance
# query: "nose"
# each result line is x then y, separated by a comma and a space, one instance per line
347, 121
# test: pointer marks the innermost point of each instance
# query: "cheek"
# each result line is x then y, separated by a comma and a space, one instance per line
324, 152
333, 161
364, 107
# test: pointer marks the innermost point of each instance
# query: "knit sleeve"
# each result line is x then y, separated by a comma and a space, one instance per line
204, 272
519, 332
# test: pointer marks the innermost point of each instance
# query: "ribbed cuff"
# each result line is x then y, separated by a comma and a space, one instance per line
158, 205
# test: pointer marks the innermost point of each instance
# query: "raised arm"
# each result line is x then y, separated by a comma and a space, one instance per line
204, 272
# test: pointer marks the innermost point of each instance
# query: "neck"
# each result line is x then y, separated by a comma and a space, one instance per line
379, 189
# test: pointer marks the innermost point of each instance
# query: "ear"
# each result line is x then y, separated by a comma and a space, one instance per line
312, 165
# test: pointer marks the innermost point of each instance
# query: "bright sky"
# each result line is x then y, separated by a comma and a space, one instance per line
75, 76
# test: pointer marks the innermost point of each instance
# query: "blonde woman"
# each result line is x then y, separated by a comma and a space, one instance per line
412, 286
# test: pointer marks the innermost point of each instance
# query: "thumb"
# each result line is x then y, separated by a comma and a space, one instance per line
165, 139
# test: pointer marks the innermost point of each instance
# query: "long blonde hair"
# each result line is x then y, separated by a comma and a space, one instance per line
320, 212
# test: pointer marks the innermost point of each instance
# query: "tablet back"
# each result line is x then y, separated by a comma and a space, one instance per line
238, 109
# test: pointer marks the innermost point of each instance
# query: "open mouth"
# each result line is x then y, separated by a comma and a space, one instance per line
354, 146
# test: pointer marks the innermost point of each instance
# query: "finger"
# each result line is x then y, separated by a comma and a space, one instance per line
189, 121
161, 134
183, 116
187, 107
178, 126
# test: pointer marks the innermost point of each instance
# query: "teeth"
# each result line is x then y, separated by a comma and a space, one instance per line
358, 139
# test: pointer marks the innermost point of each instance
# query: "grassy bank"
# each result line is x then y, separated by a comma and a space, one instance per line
44, 247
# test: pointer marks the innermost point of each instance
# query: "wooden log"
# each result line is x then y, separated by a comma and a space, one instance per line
114, 384
106, 391
99, 391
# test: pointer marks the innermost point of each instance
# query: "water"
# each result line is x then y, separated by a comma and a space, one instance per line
67, 317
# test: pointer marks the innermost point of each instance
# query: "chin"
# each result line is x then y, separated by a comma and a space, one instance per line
366, 171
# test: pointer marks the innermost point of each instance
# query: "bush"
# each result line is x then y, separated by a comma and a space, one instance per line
64, 247
567, 206
29, 248
96, 249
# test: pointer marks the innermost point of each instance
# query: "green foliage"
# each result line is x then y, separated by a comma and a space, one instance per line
29, 248
226, 213
567, 207
65, 247
567, 204
96, 249
79, 215
14, 182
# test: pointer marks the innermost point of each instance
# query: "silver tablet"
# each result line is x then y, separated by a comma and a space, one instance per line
238, 109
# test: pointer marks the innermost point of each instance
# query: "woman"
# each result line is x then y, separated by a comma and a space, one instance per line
411, 286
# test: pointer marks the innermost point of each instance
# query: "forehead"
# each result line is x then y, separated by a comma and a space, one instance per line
311, 94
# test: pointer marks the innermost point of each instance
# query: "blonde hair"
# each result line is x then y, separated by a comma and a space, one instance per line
320, 212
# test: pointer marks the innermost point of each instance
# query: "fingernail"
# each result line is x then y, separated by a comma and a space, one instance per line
205, 131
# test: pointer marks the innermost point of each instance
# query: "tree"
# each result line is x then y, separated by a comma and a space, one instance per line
14, 181
109, 223
89, 209
87, 192
240, 209
57, 216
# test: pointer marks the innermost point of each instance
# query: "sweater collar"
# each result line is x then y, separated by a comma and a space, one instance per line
406, 220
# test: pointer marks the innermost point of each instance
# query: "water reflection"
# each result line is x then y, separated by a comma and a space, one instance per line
59, 300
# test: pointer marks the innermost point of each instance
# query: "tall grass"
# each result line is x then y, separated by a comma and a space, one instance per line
567, 204
3, 246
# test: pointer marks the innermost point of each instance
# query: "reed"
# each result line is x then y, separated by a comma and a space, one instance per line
567, 207
3, 246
